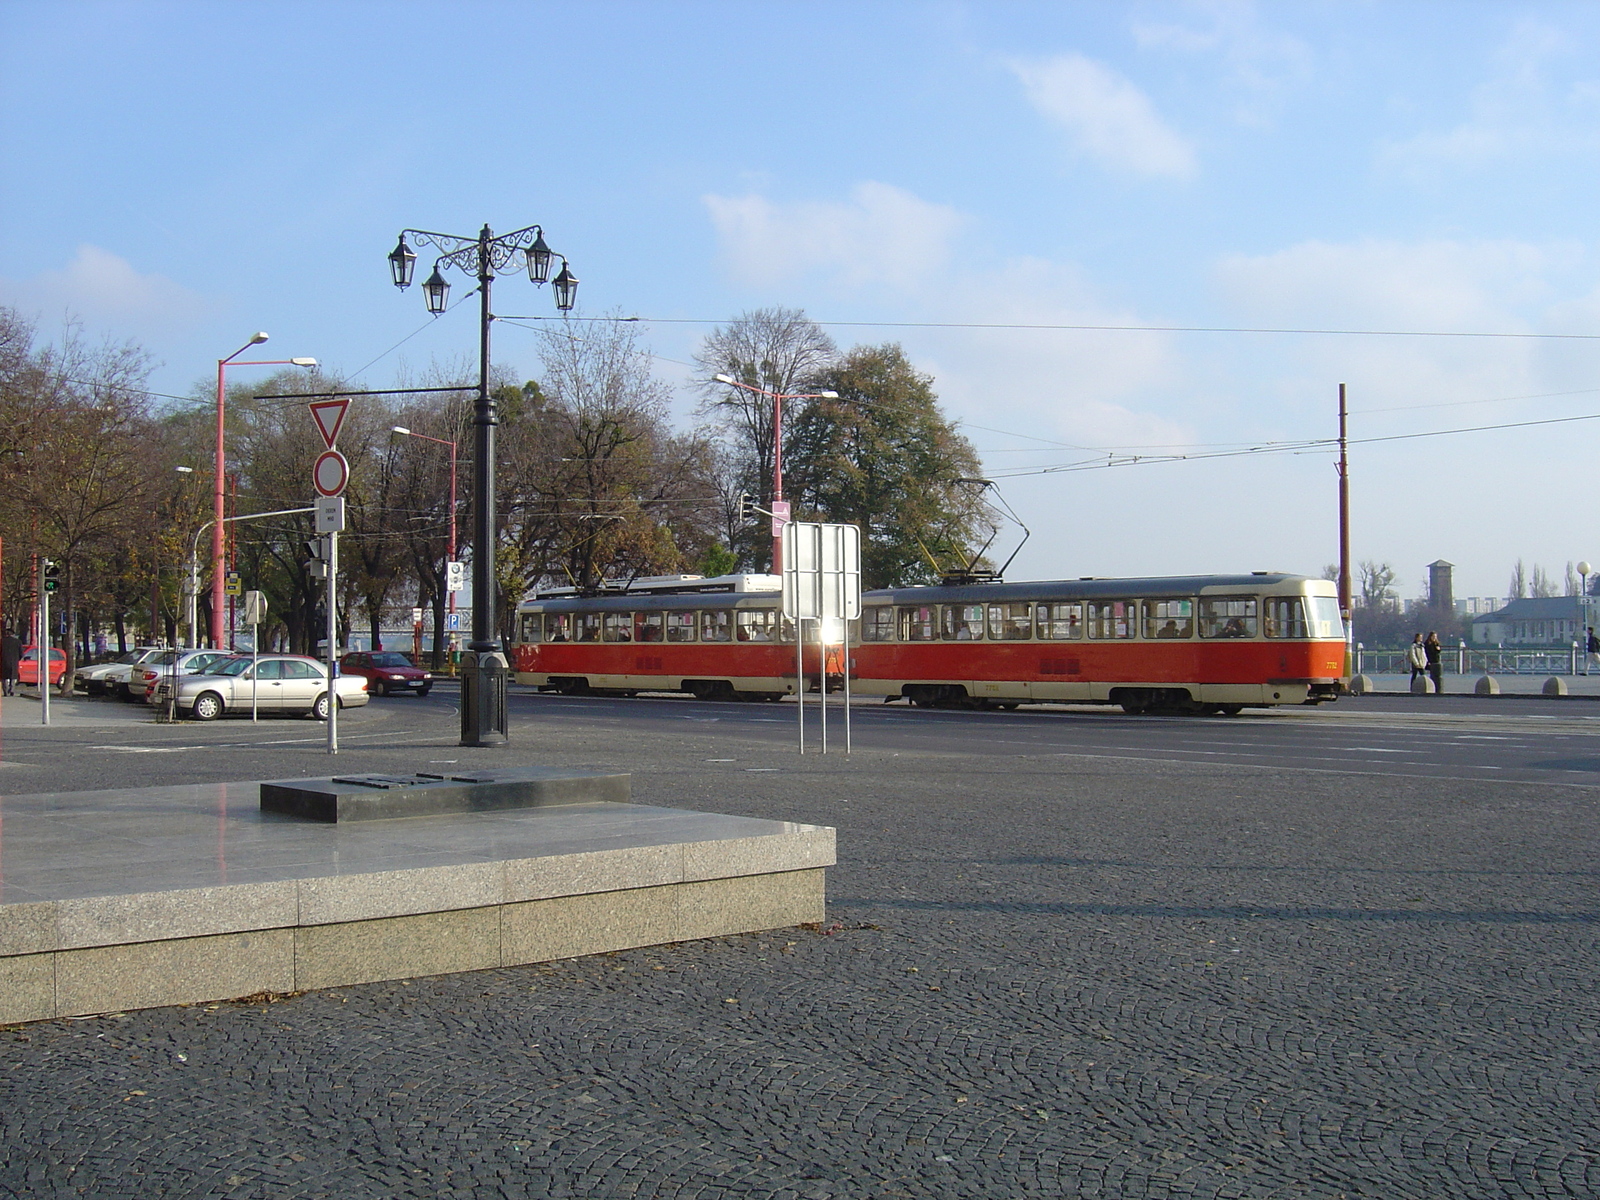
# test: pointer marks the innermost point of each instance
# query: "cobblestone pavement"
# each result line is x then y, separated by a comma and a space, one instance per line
1041, 976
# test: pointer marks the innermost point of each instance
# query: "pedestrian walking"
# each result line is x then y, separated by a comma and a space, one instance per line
1592, 646
1435, 655
1417, 656
10, 658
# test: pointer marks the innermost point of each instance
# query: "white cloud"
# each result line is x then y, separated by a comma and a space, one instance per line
1518, 110
1105, 115
1374, 283
882, 236
104, 288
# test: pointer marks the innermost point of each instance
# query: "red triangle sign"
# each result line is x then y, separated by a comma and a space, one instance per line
329, 416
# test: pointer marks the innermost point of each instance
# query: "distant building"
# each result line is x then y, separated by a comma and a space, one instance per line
1441, 587
1535, 621
1472, 606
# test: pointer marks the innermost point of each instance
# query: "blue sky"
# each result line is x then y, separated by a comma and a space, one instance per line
185, 174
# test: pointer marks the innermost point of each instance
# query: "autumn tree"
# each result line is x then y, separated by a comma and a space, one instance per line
883, 456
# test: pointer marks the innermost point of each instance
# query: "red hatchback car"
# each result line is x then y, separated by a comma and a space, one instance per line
387, 672
28, 668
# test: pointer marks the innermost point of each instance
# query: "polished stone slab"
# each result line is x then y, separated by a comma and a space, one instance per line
141, 896
424, 794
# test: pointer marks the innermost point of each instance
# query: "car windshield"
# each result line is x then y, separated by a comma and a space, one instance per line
390, 660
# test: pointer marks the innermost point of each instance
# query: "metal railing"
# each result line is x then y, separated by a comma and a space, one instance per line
1463, 660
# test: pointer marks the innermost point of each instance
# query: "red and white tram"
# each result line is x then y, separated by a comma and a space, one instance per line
1204, 643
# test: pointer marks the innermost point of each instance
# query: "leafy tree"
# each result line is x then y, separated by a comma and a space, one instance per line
883, 456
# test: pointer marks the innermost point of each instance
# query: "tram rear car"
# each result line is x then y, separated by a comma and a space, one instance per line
1190, 644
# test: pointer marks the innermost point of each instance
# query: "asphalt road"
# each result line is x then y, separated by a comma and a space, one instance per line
1339, 952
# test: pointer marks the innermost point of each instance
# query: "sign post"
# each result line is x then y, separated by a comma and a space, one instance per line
255, 612
41, 642
822, 584
329, 475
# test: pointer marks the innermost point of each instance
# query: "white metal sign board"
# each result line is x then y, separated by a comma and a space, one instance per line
330, 514
821, 571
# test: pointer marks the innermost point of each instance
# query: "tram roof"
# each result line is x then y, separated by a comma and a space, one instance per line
974, 593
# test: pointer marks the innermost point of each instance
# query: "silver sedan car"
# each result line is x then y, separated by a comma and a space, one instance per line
278, 682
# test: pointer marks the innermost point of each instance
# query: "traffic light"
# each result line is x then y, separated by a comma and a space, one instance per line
747, 508
52, 575
317, 565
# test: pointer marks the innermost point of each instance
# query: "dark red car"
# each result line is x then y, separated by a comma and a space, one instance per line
387, 672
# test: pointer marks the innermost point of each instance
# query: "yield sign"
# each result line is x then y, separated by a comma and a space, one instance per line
329, 416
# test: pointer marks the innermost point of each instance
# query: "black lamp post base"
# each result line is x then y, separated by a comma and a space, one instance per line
484, 675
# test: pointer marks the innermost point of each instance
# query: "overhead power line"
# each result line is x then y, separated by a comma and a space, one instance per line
1094, 328
1305, 446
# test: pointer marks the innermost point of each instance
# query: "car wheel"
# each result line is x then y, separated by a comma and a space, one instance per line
122, 692
207, 706
321, 708
424, 689
381, 688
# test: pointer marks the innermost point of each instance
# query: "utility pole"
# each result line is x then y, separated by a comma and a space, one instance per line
1345, 605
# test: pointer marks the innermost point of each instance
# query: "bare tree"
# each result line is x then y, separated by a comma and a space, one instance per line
1540, 584
1377, 583
1517, 588
776, 349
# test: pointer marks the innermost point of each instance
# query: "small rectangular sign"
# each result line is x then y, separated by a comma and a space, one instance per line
330, 514
232, 585
416, 616
452, 621
780, 516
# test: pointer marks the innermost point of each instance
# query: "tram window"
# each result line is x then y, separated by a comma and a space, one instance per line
786, 630
618, 627
1325, 619
1060, 622
755, 624
647, 627
588, 627
716, 625
1168, 618
532, 627
1010, 622
1286, 617
1228, 617
558, 627
918, 623
1111, 619
877, 624
680, 626
963, 623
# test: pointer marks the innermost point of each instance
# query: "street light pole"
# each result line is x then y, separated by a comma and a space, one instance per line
484, 669
404, 432
777, 452
219, 511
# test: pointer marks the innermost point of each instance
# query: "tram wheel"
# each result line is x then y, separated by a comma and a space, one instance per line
1230, 710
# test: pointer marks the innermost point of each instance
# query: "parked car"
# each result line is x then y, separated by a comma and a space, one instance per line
280, 683
112, 677
28, 668
387, 671
160, 671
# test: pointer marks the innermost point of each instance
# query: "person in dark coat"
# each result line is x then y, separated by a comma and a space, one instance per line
1435, 655
10, 658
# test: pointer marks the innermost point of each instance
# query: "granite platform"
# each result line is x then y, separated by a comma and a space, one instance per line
141, 897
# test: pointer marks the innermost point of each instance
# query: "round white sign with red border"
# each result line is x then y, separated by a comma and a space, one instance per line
331, 473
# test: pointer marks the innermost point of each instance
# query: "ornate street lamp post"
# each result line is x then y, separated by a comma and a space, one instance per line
484, 670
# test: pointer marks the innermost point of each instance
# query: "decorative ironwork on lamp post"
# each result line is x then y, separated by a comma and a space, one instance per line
484, 670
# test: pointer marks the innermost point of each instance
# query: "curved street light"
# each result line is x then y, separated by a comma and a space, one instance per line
218, 582
484, 668
777, 454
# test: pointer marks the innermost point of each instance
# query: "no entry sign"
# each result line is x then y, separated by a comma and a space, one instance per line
331, 473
